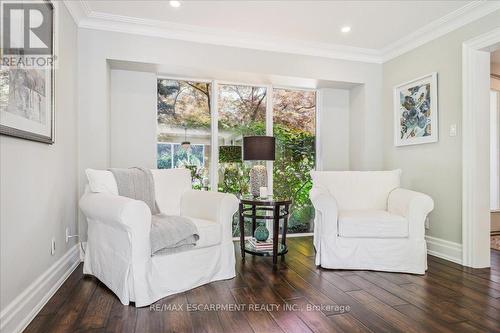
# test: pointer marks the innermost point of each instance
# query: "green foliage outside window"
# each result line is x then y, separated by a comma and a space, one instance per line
229, 154
241, 112
295, 158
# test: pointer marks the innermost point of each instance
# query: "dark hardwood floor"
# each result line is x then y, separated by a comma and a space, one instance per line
449, 298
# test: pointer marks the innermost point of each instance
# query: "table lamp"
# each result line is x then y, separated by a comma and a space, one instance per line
258, 148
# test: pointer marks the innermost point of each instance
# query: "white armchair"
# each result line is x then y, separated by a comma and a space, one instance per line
364, 220
118, 248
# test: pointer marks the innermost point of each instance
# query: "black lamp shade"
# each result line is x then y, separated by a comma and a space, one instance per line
229, 154
259, 148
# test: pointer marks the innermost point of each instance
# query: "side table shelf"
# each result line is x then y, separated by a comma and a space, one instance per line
249, 208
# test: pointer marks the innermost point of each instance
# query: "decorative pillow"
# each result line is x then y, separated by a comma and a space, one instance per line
102, 181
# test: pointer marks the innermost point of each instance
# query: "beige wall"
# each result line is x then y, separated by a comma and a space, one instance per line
38, 196
434, 168
133, 119
333, 129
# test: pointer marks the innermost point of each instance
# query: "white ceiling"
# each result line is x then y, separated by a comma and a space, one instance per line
381, 30
375, 24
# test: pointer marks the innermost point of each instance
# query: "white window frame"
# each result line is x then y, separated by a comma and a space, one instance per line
214, 128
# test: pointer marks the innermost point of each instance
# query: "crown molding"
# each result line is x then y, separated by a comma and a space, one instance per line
77, 9
440, 27
169, 30
488, 41
88, 19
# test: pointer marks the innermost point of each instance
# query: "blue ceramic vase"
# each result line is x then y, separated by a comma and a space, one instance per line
261, 233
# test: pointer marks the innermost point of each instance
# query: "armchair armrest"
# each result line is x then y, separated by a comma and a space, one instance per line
212, 206
118, 237
326, 205
117, 211
414, 206
322, 200
131, 218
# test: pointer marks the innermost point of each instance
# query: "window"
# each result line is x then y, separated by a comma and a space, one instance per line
185, 138
242, 112
294, 126
184, 131
172, 155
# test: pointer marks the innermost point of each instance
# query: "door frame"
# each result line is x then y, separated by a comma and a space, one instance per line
475, 148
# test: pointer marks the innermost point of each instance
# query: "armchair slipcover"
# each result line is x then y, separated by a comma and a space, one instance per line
364, 220
118, 248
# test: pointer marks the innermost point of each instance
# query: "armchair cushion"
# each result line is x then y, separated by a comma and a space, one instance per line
170, 184
101, 181
371, 224
358, 190
210, 232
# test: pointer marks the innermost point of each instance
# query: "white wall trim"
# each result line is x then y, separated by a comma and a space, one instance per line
78, 10
20, 312
176, 31
464, 15
444, 249
214, 138
85, 18
475, 148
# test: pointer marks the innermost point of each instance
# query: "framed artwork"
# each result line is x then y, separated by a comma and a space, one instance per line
27, 104
416, 111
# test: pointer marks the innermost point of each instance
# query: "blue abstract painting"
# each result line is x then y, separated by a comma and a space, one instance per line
416, 111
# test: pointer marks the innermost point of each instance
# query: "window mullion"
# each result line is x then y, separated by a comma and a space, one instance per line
214, 121
269, 132
319, 153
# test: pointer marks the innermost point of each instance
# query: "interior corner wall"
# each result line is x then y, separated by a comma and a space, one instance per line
366, 129
333, 129
357, 136
133, 119
435, 168
39, 195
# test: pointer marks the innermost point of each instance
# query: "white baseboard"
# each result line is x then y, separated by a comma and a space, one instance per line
444, 249
299, 234
20, 312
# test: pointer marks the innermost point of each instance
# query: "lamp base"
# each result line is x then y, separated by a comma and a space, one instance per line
258, 179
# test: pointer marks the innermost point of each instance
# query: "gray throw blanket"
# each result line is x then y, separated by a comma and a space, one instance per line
138, 184
172, 234
169, 234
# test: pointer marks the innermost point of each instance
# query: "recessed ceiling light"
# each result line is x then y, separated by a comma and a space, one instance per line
343, 29
175, 4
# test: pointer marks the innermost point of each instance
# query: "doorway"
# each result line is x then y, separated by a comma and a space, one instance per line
475, 154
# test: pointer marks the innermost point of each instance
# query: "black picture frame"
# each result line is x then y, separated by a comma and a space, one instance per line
25, 134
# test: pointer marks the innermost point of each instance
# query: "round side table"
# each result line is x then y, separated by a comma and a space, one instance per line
249, 208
